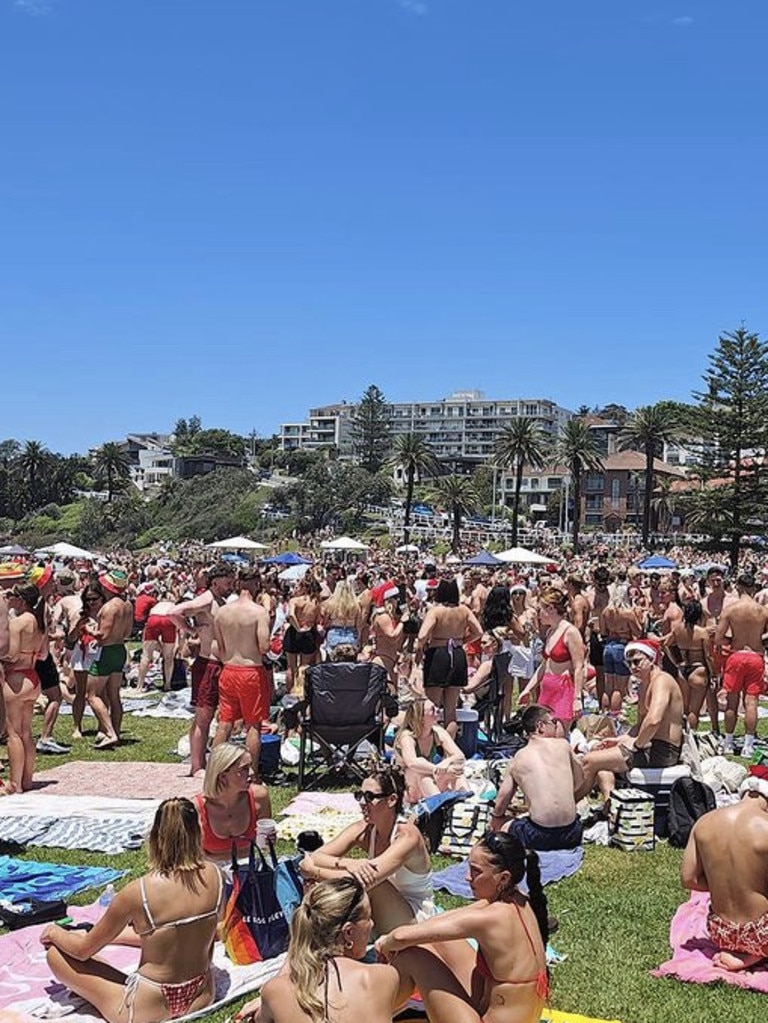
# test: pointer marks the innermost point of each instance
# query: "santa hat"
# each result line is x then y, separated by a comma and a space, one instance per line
384, 591
649, 647
756, 781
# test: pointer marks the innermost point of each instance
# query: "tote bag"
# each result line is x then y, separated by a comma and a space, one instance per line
254, 926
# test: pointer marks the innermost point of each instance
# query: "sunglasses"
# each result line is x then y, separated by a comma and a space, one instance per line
369, 797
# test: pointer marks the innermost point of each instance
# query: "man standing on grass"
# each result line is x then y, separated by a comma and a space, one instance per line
105, 676
245, 684
726, 856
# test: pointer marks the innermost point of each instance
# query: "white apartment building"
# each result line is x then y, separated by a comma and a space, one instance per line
461, 429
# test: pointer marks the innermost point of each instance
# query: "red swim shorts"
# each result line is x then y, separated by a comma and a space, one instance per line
245, 692
745, 673
204, 676
159, 628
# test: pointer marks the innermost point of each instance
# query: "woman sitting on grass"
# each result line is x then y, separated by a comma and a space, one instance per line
230, 804
397, 873
427, 752
171, 914
506, 979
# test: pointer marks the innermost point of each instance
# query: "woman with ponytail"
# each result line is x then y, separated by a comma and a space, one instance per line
322, 981
506, 979
21, 684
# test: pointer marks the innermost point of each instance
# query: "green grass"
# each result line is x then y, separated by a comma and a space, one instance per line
614, 913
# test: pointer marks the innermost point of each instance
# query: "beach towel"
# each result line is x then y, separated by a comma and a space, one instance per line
555, 865
322, 802
24, 879
26, 984
132, 779
692, 951
96, 823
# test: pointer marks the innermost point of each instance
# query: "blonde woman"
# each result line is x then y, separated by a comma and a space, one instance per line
27, 643
427, 753
230, 804
620, 624
171, 913
341, 617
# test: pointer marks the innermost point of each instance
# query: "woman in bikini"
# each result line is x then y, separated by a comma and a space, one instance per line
689, 647
620, 624
341, 617
447, 627
561, 676
505, 980
21, 684
387, 629
171, 914
300, 640
397, 873
428, 755
230, 804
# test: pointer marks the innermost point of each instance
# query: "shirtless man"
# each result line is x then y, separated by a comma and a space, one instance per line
548, 774
66, 614
746, 621
105, 676
659, 732
598, 598
241, 630
475, 598
579, 610
726, 856
300, 641
158, 636
206, 667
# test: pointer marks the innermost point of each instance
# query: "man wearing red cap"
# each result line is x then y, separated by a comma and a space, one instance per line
659, 731
726, 856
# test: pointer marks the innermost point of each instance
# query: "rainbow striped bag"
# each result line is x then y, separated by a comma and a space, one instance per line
254, 926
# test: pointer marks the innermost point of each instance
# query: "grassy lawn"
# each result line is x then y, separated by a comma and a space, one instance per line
614, 913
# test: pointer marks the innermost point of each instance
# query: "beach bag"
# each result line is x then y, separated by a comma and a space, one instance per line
465, 826
630, 825
254, 926
289, 884
32, 911
432, 814
689, 800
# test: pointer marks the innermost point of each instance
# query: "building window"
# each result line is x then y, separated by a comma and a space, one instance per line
595, 481
615, 492
554, 483
534, 483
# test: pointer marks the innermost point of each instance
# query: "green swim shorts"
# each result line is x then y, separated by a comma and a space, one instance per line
111, 660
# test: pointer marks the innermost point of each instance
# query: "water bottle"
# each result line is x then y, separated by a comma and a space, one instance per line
105, 898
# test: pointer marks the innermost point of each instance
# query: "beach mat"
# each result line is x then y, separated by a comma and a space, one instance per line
555, 865
25, 879
692, 951
98, 823
128, 779
27, 986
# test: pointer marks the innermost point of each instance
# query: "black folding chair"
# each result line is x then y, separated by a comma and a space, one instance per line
490, 706
344, 709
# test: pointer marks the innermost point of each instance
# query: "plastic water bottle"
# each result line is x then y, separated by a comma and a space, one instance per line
105, 898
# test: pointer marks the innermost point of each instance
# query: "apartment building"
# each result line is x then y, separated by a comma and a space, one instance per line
461, 429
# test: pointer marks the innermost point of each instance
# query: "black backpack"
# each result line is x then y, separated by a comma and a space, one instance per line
688, 800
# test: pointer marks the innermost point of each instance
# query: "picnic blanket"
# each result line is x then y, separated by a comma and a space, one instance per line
97, 823
692, 951
132, 779
555, 865
26, 984
322, 802
24, 879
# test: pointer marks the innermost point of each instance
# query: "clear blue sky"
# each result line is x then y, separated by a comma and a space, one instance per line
241, 208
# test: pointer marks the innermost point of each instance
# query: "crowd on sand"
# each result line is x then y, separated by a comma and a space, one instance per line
537, 648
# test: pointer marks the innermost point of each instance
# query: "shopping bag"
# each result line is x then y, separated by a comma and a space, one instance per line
254, 926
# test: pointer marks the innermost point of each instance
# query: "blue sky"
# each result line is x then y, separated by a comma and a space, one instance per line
241, 208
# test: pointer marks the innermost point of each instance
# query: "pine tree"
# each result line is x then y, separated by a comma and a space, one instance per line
371, 429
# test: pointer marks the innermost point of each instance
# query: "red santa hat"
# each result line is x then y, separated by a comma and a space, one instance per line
756, 781
648, 646
384, 591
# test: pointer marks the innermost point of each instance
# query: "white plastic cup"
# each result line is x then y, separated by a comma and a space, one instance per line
266, 832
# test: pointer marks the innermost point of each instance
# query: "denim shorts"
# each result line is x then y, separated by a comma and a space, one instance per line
338, 634
613, 658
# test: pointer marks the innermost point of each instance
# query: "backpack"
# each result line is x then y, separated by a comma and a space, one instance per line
689, 799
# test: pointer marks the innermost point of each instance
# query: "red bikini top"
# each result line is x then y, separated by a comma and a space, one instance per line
559, 652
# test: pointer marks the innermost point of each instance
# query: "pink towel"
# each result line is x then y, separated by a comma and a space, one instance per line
692, 951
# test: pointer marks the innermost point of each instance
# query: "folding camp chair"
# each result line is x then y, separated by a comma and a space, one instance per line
344, 709
490, 707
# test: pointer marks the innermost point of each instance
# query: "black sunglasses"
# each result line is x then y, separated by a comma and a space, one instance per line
369, 797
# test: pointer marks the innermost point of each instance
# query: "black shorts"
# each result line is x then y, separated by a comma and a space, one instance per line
47, 672
596, 647
445, 667
295, 642
658, 754
536, 836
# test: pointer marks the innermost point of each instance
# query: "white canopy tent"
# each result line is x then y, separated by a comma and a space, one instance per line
67, 550
294, 573
238, 543
344, 543
521, 556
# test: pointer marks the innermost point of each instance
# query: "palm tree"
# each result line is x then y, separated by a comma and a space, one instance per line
576, 447
520, 443
112, 462
459, 495
647, 430
414, 455
664, 503
33, 460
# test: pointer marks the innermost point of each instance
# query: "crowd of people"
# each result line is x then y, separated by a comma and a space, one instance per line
536, 648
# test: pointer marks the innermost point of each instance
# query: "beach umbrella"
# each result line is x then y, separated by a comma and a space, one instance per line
293, 573
407, 548
343, 543
706, 566
67, 550
287, 558
657, 561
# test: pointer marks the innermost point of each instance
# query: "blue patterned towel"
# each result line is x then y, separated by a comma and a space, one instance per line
555, 865
22, 879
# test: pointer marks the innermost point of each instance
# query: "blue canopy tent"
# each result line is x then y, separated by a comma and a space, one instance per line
484, 559
657, 561
288, 558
